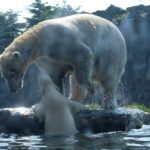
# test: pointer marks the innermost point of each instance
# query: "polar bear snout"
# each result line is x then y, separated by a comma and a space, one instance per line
14, 86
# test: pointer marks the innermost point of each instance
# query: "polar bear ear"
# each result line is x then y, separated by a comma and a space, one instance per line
16, 54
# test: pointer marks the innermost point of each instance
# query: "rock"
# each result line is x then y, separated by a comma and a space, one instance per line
22, 121
111, 12
136, 78
138, 10
19, 120
96, 121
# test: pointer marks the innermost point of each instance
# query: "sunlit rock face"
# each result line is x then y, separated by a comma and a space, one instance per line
136, 31
21, 110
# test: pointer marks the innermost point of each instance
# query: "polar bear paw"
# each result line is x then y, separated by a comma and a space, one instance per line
38, 112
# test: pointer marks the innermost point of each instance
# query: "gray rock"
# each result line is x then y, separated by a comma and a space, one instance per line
22, 121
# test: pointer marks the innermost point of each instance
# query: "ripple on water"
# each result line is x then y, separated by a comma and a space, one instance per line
138, 138
132, 140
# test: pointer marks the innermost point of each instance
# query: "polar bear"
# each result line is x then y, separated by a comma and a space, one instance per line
55, 109
91, 47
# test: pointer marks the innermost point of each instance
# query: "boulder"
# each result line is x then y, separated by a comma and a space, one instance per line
22, 121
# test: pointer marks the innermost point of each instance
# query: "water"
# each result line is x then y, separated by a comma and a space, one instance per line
132, 140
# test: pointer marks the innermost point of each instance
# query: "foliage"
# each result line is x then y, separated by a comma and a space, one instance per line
132, 106
139, 106
9, 28
41, 11
94, 106
65, 10
119, 18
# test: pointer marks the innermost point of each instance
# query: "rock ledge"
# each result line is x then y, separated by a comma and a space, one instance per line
22, 121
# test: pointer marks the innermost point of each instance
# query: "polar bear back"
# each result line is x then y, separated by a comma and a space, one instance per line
101, 36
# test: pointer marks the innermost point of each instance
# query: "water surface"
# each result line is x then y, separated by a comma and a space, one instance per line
132, 140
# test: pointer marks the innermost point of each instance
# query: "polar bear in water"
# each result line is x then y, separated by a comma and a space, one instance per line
55, 109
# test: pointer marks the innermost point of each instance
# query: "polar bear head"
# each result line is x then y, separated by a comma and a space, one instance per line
13, 69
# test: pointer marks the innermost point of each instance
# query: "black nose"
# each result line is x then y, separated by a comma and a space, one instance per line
13, 90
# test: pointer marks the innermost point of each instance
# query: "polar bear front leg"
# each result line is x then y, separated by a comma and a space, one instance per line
83, 62
76, 92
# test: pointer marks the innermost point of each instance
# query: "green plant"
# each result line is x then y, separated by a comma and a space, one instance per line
119, 18
139, 106
93, 106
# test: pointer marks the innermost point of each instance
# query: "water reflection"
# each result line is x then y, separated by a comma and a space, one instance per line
132, 140
138, 139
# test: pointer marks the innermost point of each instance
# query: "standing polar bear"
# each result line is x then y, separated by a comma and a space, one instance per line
89, 46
